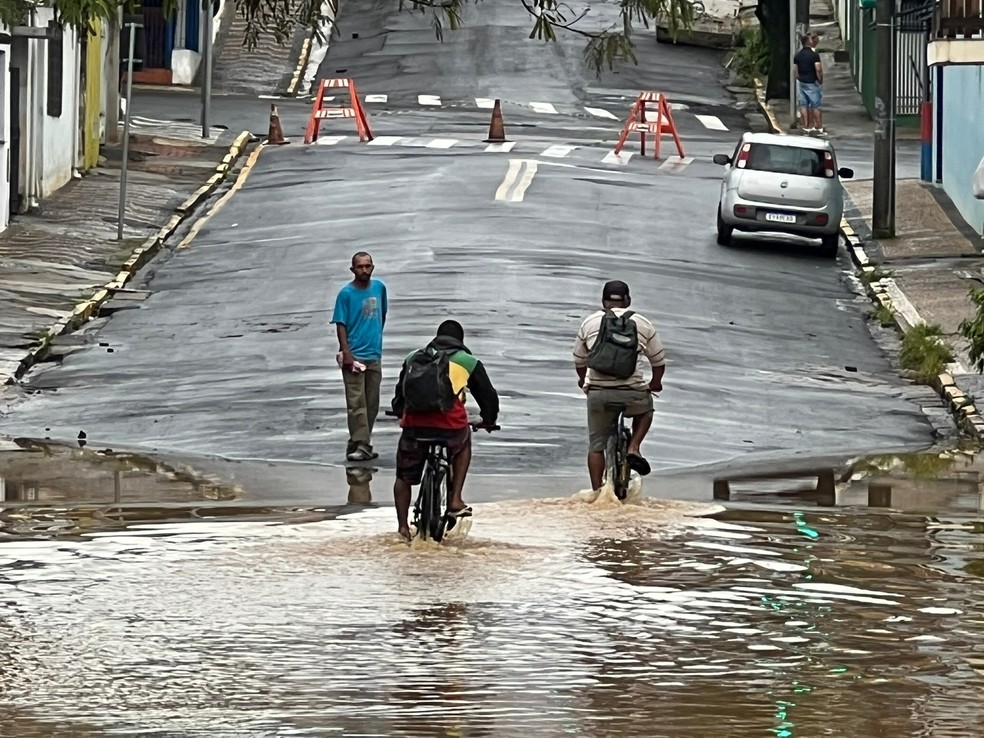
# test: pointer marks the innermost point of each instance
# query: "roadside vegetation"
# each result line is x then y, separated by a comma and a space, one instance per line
924, 353
751, 58
883, 316
973, 329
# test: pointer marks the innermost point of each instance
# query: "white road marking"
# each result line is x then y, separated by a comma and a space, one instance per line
621, 158
503, 147
542, 107
385, 140
429, 99
518, 178
377, 98
486, 103
558, 151
515, 165
675, 165
712, 122
679, 106
329, 140
601, 113
442, 143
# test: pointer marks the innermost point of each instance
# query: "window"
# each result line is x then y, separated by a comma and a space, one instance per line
786, 160
56, 66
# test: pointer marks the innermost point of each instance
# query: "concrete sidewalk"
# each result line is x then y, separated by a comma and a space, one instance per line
59, 265
924, 274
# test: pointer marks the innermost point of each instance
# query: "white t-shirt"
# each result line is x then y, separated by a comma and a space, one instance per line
650, 348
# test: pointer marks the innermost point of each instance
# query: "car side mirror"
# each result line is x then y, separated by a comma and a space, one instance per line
845, 173
722, 159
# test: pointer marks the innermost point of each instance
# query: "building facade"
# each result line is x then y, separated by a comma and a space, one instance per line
956, 55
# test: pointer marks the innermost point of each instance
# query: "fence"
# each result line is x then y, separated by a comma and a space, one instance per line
858, 33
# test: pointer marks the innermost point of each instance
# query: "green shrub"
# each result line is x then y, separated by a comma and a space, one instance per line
973, 329
751, 57
924, 354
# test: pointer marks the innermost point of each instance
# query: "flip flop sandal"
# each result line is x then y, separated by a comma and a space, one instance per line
639, 465
464, 512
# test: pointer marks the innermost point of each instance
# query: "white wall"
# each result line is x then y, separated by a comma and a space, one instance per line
4, 136
963, 138
60, 135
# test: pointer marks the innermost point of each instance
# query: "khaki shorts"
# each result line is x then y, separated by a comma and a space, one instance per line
601, 419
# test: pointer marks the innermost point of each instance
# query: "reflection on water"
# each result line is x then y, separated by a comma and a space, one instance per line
945, 480
551, 618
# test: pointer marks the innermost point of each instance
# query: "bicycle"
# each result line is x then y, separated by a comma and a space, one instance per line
435, 480
617, 452
617, 469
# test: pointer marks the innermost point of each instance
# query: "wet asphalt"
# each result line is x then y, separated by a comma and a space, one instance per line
232, 355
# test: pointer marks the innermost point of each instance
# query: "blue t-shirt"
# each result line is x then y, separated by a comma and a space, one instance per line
363, 313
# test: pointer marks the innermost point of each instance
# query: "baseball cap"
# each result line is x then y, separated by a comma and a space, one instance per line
615, 290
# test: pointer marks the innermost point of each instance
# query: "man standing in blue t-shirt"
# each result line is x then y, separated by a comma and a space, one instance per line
359, 317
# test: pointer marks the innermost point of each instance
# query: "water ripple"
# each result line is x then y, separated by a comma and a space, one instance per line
553, 617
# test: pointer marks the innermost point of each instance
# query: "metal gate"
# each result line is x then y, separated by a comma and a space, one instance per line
910, 73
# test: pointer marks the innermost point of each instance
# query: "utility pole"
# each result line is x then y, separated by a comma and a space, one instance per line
793, 47
883, 184
132, 24
113, 66
207, 9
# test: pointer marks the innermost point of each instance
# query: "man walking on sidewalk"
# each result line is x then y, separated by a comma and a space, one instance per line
359, 317
808, 69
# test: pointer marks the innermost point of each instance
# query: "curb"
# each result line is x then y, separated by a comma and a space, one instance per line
767, 111
86, 309
302, 62
886, 293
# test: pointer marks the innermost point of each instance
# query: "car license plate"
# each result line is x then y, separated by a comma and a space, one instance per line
780, 218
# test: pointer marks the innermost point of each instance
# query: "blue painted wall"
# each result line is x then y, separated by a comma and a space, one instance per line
963, 138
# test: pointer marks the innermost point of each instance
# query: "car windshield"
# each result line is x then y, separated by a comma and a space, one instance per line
785, 160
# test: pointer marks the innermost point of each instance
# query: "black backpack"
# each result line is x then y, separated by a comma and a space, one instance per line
616, 350
427, 382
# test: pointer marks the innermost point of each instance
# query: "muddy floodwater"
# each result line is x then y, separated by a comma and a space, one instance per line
547, 617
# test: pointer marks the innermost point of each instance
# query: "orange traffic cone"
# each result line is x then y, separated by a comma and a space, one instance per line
275, 136
497, 133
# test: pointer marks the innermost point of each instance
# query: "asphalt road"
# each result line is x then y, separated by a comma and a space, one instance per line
769, 353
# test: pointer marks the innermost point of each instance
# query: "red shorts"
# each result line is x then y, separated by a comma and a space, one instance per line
411, 454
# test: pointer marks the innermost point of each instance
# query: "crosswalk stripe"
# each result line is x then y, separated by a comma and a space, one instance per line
600, 113
330, 140
377, 98
542, 107
429, 99
557, 152
675, 165
505, 146
385, 140
442, 143
612, 158
486, 103
712, 122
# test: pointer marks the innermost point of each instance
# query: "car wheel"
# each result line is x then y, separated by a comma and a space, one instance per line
724, 231
829, 244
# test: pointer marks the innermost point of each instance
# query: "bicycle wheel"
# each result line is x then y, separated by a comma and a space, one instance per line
438, 521
423, 507
617, 459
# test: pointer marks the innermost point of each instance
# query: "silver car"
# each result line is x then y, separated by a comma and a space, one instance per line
783, 184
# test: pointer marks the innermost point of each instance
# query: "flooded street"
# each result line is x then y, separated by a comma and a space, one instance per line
547, 617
